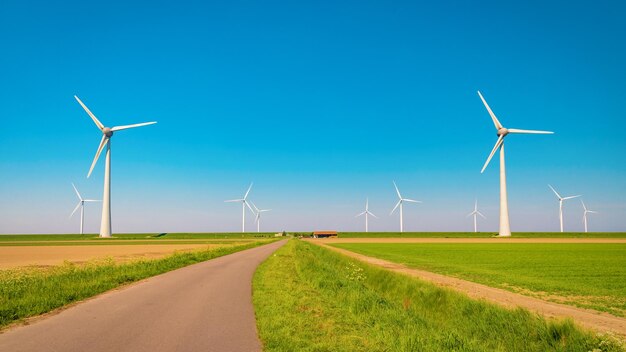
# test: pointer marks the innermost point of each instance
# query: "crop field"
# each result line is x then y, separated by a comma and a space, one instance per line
481, 235
590, 275
308, 298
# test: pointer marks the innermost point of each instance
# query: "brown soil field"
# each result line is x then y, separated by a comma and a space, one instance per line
18, 256
466, 240
599, 321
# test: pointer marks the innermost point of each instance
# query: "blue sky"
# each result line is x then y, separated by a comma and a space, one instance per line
321, 104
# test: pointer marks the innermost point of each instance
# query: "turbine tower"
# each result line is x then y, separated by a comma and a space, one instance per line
257, 218
561, 199
244, 204
107, 133
476, 212
400, 202
81, 205
367, 212
505, 228
585, 214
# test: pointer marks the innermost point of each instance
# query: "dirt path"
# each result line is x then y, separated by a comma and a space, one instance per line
599, 321
16, 256
202, 307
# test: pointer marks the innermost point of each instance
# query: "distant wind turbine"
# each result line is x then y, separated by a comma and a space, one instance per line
257, 218
367, 212
476, 212
585, 214
244, 204
400, 202
505, 228
107, 133
81, 205
561, 199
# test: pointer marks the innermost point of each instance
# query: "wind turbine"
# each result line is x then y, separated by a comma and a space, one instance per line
107, 133
244, 203
476, 212
367, 212
505, 228
257, 218
561, 199
585, 214
400, 202
81, 205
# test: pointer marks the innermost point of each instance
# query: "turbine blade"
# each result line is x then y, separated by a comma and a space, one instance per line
481, 214
493, 116
394, 208
584, 207
372, 214
570, 197
77, 206
359, 214
255, 208
93, 117
249, 207
248, 191
493, 151
95, 159
412, 200
233, 200
515, 130
592, 211
555, 192
397, 191
75, 190
119, 128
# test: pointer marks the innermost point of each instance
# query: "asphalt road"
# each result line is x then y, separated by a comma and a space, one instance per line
202, 307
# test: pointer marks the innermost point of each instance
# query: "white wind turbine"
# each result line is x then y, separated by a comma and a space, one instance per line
561, 199
244, 204
367, 212
400, 202
257, 218
505, 228
585, 214
107, 133
81, 205
476, 212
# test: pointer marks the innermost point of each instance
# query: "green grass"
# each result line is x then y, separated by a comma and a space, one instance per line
480, 235
29, 292
135, 236
585, 275
307, 298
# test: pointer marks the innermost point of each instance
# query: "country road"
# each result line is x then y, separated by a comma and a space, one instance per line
202, 307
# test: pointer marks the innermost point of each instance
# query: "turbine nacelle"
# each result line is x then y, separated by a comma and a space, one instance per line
503, 132
107, 132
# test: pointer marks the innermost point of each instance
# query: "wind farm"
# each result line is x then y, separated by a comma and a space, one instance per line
314, 106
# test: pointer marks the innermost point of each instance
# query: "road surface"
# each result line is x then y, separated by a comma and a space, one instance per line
202, 307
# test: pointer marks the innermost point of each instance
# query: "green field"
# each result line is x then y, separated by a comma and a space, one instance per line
481, 234
585, 275
26, 292
308, 298
135, 236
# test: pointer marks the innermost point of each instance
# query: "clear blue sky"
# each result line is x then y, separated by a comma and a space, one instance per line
321, 104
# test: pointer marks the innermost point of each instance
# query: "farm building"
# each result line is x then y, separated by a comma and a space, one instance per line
324, 234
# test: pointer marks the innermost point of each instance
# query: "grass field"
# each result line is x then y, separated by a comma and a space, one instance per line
310, 299
480, 234
585, 275
28, 292
135, 236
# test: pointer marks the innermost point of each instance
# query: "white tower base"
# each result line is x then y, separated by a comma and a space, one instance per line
505, 227
105, 223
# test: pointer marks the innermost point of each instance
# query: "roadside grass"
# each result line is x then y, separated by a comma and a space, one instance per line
308, 298
124, 242
589, 275
481, 235
27, 292
135, 236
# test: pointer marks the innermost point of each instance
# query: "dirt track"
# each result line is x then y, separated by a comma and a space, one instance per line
599, 321
16, 256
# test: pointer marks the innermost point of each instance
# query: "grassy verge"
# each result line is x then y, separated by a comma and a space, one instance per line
481, 235
585, 275
310, 299
135, 236
29, 292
